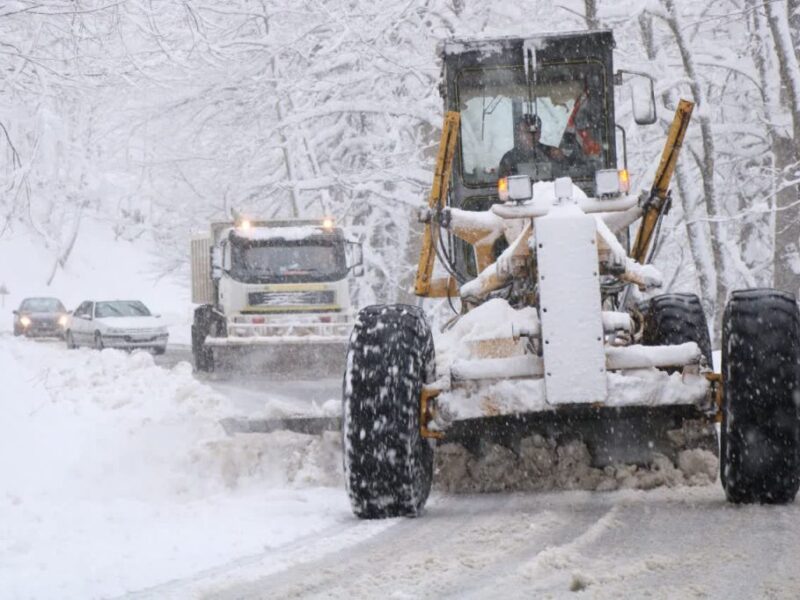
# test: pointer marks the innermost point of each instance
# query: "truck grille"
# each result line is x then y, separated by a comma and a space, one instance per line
291, 298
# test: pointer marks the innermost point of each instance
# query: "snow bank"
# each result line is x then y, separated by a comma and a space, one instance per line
115, 475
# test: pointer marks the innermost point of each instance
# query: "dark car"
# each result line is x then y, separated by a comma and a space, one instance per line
40, 317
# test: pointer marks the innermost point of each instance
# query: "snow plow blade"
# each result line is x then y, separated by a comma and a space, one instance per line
308, 425
283, 358
621, 435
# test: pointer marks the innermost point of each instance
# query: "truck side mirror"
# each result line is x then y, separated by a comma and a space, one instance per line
219, 259
226, 257
356, 255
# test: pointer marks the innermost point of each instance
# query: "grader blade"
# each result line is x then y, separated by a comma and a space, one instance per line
307, 425
633, 435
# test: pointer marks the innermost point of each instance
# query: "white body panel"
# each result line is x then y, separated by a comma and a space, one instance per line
570, 307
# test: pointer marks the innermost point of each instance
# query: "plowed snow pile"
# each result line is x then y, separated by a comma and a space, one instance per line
115, 475
541, 464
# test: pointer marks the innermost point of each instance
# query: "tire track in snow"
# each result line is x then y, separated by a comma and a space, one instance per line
460, 545
317, 544
667, 543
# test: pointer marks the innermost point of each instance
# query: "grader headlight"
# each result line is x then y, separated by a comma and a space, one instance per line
520, 188
608, 182
515, 187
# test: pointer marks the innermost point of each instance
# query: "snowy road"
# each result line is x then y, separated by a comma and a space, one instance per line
253, 394
117, 481
680, 543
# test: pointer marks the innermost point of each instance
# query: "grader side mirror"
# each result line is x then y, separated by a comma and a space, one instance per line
643, 96
643, 100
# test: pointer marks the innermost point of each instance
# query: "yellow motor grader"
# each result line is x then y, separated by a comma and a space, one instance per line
527, 230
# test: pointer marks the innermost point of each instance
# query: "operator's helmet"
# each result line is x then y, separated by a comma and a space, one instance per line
532, 122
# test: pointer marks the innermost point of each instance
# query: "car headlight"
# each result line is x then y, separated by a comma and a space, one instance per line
62, 320
25, 321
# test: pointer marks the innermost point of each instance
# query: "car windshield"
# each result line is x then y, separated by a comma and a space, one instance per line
121, 308
42, 305
569, 100
281, 261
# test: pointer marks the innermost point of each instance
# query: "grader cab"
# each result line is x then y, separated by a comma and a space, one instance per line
528, 232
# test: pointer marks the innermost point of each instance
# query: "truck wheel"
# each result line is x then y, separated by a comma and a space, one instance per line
388, 465
69, 340
760, 445
98, 341
202, 354
676, 319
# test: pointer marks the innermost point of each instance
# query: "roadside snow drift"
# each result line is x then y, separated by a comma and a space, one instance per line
115, 475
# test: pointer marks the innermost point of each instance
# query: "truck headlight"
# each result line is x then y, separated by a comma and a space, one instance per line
62, 320
24, 321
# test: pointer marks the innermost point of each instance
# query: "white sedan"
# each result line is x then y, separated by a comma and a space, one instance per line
115, 324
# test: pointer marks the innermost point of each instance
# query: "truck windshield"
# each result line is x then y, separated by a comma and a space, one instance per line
569, 100
276, 260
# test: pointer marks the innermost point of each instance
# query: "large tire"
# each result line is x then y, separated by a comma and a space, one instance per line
204, 318
676, 319
388, 465
760, 445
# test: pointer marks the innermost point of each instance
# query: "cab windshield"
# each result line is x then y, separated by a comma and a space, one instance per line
568, 99
277, 260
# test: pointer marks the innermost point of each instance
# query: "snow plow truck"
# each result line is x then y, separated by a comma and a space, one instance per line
274, 296
541, 247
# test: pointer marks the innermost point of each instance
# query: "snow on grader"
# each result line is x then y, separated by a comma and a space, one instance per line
549, 341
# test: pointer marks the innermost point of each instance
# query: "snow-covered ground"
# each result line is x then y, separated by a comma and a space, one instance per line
117, 481
115, 475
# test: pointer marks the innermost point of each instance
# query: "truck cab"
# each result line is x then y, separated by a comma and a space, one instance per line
280, 284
